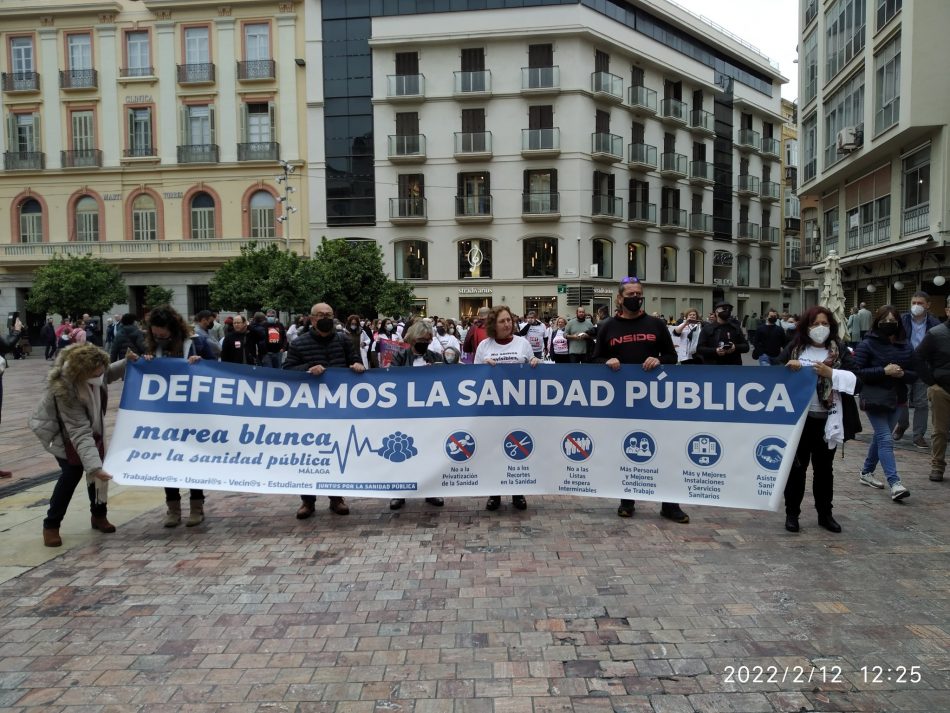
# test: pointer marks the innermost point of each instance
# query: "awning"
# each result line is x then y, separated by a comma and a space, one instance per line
926, 241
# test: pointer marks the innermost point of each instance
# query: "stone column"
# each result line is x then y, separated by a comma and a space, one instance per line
166, 71
111, 114
287, 70
226, 130
52, 139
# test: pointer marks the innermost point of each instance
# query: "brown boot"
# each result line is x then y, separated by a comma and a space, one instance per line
101, 523
51, 537
173, 514
196, 514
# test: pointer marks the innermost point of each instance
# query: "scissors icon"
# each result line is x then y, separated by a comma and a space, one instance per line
513, 447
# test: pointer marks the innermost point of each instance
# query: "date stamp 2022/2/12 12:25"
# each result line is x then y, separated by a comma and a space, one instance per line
820, 674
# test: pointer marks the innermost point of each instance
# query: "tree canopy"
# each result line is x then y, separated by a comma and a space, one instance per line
76, 284
157, 295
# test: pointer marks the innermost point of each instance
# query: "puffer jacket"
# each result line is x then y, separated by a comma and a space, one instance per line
877, 351
407, 357
932, 357
66, 399
311, 349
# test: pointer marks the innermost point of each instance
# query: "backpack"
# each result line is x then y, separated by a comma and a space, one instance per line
273, 335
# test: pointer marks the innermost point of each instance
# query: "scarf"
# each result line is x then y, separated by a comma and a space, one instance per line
824, 386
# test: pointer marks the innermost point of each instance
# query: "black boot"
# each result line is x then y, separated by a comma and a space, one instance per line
791, 523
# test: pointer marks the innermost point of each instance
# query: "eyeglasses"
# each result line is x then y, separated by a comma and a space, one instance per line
322, 314
628, 280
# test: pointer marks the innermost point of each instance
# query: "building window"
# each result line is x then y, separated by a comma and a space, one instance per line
809, 67
138, 54
256, 42
603, 251
198, 125
31, 221
263, 219
197, 46
87, 220
792, 204
25, 133
474, 194
202, 217
144, 218
637, 260
742, 271
539, 257
697, 266
791, 153
475, 258
844, 109
412, 260
140, 132
765, 272
667, 264
844, 37
917, 192
540, 191
83, 131
886, 9
259, 122
21, 59
831, 229
887, 86
79, 52
810, 147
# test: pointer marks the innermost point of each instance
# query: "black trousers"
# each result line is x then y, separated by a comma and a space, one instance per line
811, 447
63, 493
313, 498
173, 495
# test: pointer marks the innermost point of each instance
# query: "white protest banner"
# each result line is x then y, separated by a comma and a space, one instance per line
701, 435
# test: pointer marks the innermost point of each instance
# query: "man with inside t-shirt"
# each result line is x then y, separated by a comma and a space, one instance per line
633, 337
534, 331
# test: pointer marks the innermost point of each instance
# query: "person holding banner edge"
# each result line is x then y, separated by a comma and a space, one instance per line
315, 351
634, 337
832, 413
503, 346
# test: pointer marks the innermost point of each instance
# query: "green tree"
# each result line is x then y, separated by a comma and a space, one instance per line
396, 298
76, 284
240, 283
157, 295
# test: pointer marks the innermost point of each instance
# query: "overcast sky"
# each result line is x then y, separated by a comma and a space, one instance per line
769, 25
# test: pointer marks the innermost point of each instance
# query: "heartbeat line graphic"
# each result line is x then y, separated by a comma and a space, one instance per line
353, 441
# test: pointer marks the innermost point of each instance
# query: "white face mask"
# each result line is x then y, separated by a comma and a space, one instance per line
917, 310
819, 334
96, 380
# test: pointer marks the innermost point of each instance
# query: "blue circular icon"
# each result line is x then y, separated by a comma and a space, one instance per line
518, 445
577, 446
639, 447
460, 446
704, 450
769, 452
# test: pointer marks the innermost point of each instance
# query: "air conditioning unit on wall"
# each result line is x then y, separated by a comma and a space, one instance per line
849, 139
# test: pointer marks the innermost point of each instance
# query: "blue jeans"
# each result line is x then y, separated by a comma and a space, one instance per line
765, 360
881, 449
271, 359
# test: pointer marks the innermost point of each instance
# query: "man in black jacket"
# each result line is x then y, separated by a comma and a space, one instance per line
239, 346
314, 352
634, 337
932, 359
768, 339
722, 342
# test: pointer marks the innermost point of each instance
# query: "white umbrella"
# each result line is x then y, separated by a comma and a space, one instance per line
832, 293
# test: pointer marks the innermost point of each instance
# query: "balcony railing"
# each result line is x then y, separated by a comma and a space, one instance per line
882, 230
535, 78
24, 160
473, 82
851, 239
701, 223
673, 165
407, 209
748, 185
770, 191
472, 142
638, 212
641, 99
747, 231
411, 146
256, 70
259, 151
606, 146
473, 206
78, 79
541, 139
916, 219
769, 235
198, 153
200, 73
748, 139
607, 206
642, 156
140, 152
702, 121
81, 158
540, 203
20, 81
701, 172
674, 110
606, 85
811, 11
40, 253
408, 86
771, 147
132, 72
672, 218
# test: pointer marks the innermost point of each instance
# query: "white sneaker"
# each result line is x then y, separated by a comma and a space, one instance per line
869, 480
898, 491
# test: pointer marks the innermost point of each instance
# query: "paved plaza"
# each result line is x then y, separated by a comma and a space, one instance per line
563, 607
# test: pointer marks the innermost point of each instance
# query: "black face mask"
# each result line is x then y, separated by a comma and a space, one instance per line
888, 329
420, 348
324, 324
441, 331
633, 304
724, 314
773, 320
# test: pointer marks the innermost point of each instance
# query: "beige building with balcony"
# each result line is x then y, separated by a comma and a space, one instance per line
875, 145
149, 134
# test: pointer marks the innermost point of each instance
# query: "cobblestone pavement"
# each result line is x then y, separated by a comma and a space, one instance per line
560, 608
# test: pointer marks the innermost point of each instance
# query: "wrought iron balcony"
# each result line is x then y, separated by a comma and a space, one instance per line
198, 153
201, 73
259, 151
78, 79
20, 81
24, 160
81, 158
255, 70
